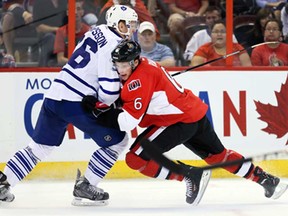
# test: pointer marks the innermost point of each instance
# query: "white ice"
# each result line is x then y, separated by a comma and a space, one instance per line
140, 197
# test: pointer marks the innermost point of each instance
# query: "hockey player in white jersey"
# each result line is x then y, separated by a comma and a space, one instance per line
89, 71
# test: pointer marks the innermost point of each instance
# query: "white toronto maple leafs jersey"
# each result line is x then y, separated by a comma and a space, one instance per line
89, 70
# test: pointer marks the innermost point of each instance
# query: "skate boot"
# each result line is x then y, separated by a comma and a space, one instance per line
271, 184
86, 194
5, 195
196, 183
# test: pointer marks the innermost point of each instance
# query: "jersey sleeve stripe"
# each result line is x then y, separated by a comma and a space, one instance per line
108, 79
78, 79
109, 92
69, 87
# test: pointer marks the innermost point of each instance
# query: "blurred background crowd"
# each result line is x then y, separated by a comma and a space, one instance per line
34, 33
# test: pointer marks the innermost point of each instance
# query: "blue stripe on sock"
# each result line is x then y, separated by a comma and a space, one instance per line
98, 157
23, 161
32, 157
15, 169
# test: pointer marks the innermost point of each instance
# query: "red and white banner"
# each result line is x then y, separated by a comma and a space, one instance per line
248, 109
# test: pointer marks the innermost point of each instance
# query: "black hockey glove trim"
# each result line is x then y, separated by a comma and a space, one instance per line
110, 118
89, 103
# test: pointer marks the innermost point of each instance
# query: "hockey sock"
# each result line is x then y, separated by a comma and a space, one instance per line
20, 165
100, 163
242, 169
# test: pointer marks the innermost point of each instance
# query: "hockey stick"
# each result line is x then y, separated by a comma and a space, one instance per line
157, 156
222, 57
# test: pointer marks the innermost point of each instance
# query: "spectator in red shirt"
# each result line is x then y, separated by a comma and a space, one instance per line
181, 10
217, 48
271, 54
61, 40
48, 15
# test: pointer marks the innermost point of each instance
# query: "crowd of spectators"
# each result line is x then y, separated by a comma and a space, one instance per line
35, 32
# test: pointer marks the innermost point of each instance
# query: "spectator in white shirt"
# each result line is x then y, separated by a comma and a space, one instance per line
213, 13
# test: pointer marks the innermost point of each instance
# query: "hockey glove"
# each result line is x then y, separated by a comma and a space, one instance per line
101, 108
89, 103
110, 118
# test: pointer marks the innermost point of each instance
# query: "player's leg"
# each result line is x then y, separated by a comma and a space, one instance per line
166, 139
100, 163
48, 133
207, 145
112, 142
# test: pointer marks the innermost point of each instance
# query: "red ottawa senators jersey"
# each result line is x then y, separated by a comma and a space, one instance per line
152, 97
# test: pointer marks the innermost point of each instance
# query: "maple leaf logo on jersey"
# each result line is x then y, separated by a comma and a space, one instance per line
275, 116
134, 84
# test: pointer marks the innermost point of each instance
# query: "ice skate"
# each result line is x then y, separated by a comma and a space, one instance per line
271, 184
86, 194
196, 183
5, 194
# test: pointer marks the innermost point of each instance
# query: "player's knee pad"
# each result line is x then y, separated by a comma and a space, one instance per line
134, 161
226, 155
39, 151
148, 168
119, 147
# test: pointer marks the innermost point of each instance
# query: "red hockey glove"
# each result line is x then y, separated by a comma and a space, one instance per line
91, 104
101, 108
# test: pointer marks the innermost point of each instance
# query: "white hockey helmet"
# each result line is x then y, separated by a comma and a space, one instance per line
117, 13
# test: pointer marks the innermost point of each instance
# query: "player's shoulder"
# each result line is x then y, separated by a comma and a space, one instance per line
104, 37
148, 71
148, 65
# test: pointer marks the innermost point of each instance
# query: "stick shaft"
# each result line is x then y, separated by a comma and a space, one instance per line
157, 156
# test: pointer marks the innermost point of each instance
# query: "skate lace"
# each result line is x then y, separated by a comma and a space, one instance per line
3, 190
94, 190
190, 187
267, 177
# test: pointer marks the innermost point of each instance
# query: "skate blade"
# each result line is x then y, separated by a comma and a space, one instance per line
203, 185
8, 199
86, 202
280, 189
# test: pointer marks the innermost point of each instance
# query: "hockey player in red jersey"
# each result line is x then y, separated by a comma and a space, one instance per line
173, 115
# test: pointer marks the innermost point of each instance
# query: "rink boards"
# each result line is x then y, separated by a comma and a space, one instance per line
232, 96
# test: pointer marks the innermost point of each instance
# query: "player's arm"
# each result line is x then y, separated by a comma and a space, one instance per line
108, 78
112, 116
127, 118
136, 96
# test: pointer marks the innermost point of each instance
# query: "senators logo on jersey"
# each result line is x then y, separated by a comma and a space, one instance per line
134, 84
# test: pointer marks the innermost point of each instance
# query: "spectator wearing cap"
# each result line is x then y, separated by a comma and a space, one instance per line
151, 49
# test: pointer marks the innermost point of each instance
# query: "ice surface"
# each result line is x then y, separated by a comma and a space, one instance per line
140, 197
